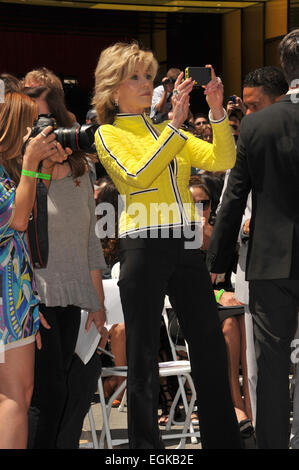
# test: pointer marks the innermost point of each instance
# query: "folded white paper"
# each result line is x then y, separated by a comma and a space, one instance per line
87, 341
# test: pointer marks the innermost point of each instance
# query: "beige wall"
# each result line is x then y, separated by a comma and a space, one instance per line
276, 22
231, 53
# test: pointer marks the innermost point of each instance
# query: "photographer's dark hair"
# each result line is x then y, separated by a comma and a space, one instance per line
270, 78
55, 103
60, 114
212, 186
289, 55
109, 193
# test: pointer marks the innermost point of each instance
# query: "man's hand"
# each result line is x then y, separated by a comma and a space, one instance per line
246, 229
238, 105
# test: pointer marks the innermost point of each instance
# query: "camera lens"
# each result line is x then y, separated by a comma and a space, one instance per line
77, 138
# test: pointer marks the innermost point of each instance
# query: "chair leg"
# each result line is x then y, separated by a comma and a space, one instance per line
106, 429
188, 422
93, 429
181, 381
123, 402
106, 410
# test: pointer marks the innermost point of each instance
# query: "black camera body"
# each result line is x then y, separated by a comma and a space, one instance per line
169, 81
77, 138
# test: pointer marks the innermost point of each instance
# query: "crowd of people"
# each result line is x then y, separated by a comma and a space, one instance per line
226, 254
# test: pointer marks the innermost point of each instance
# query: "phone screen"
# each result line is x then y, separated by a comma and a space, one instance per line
201, 75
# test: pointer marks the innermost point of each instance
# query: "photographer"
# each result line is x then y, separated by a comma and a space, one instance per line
71, 281
235, 105
19, 313
161, 100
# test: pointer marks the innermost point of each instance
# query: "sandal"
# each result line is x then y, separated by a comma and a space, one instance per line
194, 419
166, 402
115, 404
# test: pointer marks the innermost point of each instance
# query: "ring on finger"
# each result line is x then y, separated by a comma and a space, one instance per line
218, 79
42, 133
176, 92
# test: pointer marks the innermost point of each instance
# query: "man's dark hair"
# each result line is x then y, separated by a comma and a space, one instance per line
289, 55
270, 78
201, 115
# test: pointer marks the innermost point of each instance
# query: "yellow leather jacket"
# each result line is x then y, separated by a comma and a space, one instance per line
151, 165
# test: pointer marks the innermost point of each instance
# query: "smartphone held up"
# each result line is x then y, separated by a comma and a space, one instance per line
201, 75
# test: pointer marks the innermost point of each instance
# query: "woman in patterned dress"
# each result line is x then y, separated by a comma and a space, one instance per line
19, 315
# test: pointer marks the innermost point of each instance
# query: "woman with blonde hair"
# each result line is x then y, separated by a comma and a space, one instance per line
19, 315
150, 166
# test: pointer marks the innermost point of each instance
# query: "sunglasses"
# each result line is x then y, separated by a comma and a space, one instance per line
200, 123
205, 204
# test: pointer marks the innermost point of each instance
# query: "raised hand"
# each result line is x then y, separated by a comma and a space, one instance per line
214, 95
180, 100
44, 146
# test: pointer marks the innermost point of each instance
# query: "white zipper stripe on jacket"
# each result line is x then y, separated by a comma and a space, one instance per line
143, 191
175, 188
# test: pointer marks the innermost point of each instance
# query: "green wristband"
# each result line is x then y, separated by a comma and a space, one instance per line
35, 174
219, 294
43, 176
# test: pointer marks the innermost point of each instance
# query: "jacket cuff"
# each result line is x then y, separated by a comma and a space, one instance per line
217, 120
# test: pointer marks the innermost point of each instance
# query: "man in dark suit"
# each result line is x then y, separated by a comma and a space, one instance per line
268, 165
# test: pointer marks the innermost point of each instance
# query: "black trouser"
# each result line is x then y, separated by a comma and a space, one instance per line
149, 269
82, 385
52, 366
274, 307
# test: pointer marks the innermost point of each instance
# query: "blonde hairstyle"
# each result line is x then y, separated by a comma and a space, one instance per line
16, 114
115, 65
44, 77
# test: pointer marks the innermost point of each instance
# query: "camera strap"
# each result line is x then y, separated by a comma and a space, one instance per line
37, 231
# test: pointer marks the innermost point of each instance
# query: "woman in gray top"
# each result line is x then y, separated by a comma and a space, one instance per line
71, 281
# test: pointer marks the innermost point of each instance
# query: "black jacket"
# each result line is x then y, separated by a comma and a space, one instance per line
268, 164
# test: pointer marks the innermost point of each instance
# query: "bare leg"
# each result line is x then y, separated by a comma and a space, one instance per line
232, 336
16, 386
118, 349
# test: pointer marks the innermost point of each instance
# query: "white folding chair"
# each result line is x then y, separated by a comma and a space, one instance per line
180, 369
174, 350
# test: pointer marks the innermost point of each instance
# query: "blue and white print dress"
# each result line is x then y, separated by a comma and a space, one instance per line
19, 314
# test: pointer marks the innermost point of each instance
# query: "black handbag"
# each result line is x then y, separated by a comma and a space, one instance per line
37, 231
